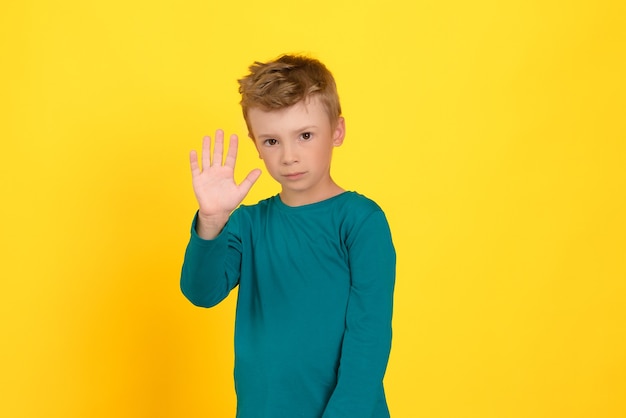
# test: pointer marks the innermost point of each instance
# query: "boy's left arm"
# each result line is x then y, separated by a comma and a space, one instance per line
367, 339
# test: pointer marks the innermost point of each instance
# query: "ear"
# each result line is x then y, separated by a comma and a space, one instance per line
340, 132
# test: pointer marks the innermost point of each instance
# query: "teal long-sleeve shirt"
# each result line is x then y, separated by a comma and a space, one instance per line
314, 308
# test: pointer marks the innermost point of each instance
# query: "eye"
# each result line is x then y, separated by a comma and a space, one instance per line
270, 142
305, 136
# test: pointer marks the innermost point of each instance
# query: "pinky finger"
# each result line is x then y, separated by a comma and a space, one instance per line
193, 163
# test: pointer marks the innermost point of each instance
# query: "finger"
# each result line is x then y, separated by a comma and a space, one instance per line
218, 147
193, 163
206, 152
250, 179
231, 157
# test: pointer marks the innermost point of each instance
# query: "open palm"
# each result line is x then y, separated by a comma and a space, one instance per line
214, 185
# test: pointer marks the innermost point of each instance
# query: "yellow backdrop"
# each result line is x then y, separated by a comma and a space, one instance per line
491, 132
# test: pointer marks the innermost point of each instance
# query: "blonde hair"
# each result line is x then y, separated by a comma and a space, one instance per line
286, 81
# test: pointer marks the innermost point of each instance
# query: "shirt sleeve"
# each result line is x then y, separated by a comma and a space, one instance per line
367, 338
211, 268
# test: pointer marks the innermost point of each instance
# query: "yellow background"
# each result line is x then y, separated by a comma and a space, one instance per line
493, 134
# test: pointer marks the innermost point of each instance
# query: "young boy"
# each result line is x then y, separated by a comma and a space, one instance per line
315, 264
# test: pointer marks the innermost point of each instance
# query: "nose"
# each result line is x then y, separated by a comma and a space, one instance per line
289, 155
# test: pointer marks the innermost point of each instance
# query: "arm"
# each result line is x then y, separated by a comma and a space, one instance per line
367, 338
211, 265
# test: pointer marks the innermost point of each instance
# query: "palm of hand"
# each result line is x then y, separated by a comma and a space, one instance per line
214, 185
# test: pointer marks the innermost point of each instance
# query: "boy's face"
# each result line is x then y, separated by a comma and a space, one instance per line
296, 144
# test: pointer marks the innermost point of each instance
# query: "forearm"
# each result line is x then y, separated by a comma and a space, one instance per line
210, 268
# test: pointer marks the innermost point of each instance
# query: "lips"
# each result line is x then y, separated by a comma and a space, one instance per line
294, 176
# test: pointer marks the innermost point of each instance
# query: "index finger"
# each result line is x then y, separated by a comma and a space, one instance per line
231, 157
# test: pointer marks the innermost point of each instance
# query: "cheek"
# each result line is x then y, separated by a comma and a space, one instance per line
324, 154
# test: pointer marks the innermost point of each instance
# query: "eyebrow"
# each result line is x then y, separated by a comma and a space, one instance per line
305, 128
296, 131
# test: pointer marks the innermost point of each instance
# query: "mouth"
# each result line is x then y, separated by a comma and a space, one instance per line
294, 176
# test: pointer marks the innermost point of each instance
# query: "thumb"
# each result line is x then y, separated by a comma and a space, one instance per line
250, 179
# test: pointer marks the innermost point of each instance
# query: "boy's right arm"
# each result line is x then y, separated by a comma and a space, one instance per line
210, 269
214, 185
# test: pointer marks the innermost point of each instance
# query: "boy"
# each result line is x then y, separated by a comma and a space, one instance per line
315, 264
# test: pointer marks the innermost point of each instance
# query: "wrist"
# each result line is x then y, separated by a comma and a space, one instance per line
209, 226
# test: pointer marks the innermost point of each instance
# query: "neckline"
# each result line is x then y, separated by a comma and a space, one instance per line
313, 205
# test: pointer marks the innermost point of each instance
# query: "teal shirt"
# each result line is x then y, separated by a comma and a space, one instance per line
314, 308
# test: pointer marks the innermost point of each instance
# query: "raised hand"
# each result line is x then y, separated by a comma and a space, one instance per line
214, 185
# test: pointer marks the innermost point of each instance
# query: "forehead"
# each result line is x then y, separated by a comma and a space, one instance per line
307, 112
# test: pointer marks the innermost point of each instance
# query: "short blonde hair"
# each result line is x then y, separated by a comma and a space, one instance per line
286, 81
